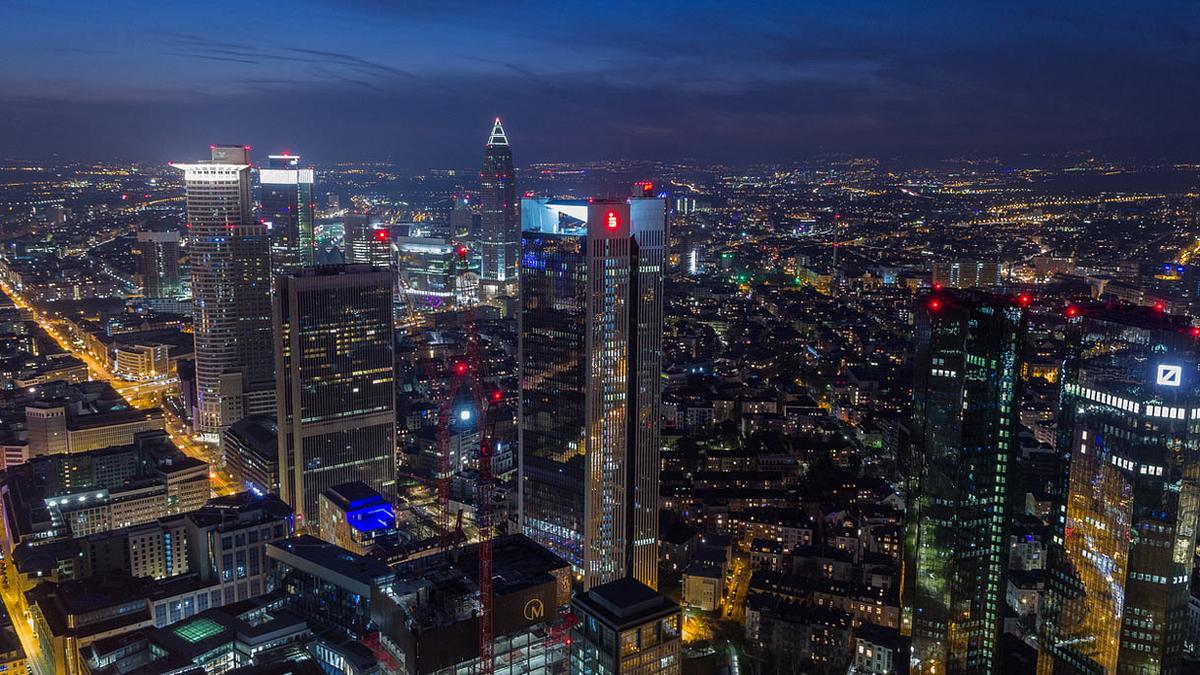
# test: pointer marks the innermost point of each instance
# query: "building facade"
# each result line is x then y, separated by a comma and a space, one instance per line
1120, 559
158, 261
287, 210
334, 357
230, 258
590, 358
500, 226
625, 627
965, 423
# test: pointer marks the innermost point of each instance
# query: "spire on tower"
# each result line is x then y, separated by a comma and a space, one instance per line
497, 136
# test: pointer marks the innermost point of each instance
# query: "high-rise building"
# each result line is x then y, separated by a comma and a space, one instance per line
590, 358
1120, 562
335, 383
231, 291
965, 273
367, 241
158, 260
499, 223
966, 394
287, 209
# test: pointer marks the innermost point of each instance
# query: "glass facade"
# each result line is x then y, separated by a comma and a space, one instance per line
499, 219
231, 292
1121, 559
287, 209
335, 383
590, 357
964, 436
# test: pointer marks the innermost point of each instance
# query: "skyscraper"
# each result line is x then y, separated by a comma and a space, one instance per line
367, 241
590, 358
1121, 558
964, 436
158, 260
231, 291
287, 209
499, 226
335, 383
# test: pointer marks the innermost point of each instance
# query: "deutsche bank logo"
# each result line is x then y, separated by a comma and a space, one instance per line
1170, 376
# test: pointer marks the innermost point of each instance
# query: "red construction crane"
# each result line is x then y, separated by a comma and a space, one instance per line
468, 372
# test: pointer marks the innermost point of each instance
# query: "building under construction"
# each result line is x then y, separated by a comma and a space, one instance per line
428, 616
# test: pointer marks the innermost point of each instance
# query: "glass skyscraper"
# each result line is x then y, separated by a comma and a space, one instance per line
335, 383
500, 227
964, 437
590, 360
158, 260
231, 291
1121, 559
287, 209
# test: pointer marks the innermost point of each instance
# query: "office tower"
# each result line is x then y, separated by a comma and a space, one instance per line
964, 436
1121, 557
158, 260
231, 291
590, 360
335, 383
499, 224
287, 209
464, 223
429, 269
965, 273
367, 241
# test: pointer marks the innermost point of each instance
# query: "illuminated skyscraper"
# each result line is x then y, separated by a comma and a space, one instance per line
158, 260
1121, 559
367, 241
287, 208
964, 437
590, 360
231, 291
499, 226
335, 383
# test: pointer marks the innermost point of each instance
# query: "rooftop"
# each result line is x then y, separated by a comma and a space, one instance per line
624, 603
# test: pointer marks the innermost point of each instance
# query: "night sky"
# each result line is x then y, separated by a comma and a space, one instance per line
418, 81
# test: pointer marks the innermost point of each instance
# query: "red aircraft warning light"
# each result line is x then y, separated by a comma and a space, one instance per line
497, 395
1072, 311
1024, 299
1195, 331
460, 368
935, 304
462, 251
381, 235
1160, 306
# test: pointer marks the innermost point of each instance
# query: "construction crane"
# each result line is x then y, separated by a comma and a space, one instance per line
467, 377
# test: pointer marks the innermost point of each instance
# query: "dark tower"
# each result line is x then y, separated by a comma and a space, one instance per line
500, 227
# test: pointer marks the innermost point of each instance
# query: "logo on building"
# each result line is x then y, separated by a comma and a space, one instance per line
534, 609
1170, 376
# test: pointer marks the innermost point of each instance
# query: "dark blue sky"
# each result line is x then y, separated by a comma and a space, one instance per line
419, 80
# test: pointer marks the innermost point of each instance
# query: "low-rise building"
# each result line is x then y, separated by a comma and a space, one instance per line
625, 627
